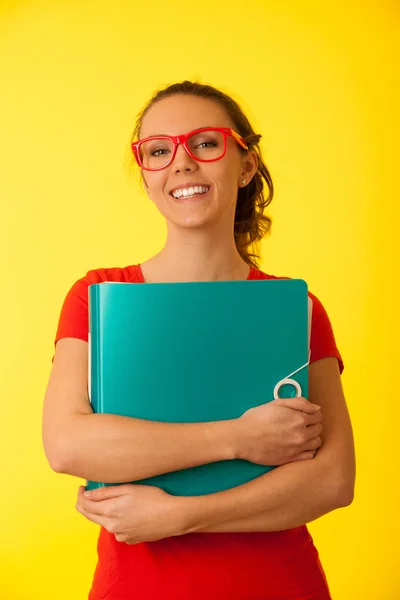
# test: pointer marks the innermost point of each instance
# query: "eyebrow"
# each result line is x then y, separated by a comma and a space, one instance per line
195, 129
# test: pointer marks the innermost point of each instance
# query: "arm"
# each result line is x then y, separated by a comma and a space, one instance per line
296, 493
103, 447
115, 449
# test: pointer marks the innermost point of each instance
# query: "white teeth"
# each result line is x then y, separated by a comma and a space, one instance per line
198, 189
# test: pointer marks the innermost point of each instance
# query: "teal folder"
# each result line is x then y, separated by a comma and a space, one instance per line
195, 352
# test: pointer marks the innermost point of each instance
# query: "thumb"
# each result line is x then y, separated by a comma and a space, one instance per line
298, 404
105, 492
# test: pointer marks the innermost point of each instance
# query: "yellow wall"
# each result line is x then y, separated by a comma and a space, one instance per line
318, 80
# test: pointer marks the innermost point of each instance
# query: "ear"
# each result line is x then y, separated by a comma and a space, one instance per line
249, 167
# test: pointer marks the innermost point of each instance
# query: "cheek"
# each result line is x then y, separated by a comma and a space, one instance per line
229, 172
227, 181
154, 184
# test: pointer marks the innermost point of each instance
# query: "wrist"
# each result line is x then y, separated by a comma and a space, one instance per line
222, 436
191, 514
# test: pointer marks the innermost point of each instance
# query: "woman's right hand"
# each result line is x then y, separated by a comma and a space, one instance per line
278, 432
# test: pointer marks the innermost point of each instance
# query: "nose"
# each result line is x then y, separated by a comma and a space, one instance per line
183, 161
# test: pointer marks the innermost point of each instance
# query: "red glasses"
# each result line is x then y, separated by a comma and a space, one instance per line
206, 145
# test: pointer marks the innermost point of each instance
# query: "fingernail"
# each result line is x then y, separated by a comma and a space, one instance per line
87, 494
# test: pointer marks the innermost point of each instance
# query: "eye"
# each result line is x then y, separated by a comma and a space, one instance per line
159, 151
155, 148
206, 145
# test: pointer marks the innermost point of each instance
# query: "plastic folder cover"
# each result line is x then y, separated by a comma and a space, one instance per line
195, 352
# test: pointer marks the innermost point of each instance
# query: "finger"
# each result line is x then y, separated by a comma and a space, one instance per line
307, 455
94, 508
313, 431
106, 492
298, 404
90, 506
313, 444
98, 519
81, 491
314, 418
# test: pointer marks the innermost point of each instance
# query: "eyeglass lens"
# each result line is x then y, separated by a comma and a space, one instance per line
206, 145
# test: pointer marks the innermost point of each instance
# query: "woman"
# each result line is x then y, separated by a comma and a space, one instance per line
250, 542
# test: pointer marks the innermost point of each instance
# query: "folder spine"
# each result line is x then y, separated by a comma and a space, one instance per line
95, 348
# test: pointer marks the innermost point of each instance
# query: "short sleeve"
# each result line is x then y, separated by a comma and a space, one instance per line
74, 319
322, 341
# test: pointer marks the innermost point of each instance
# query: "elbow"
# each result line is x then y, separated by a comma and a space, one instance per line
58, 455
58, 464
345, 495
337, 476
344, 490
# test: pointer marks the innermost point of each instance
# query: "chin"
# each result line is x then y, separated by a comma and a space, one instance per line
192, 222
191, 219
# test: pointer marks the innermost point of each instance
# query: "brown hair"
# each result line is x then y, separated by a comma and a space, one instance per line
251, 225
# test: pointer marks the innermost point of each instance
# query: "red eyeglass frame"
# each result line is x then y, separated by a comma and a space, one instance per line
182, 139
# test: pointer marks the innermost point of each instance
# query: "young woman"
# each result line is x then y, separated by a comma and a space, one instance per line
202, 167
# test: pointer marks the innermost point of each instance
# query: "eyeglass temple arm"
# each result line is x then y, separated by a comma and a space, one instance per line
239, 139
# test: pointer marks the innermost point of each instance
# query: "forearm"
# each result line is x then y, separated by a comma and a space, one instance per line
289, 496
297, 492
114, 449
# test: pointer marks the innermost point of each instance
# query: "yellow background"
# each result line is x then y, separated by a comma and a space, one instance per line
318, 80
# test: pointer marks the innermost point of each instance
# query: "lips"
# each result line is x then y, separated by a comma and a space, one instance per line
190, 193
187, 188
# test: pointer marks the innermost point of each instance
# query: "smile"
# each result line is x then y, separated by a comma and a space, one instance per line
189, 192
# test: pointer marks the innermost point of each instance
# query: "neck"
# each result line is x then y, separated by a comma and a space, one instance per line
195, 255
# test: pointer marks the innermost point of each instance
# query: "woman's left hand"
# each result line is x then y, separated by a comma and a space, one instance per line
134, 513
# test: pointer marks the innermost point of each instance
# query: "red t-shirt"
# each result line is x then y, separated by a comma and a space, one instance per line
204, 566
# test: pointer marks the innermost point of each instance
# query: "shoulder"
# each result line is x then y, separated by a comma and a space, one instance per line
322, 342
73, 319
317, 305
118, 274
318, 308
127, 274
77, 294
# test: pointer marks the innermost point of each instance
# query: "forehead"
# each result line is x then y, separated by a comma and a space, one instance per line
182, 113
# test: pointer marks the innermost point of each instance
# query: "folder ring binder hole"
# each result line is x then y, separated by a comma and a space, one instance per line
288, 381
283, 382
